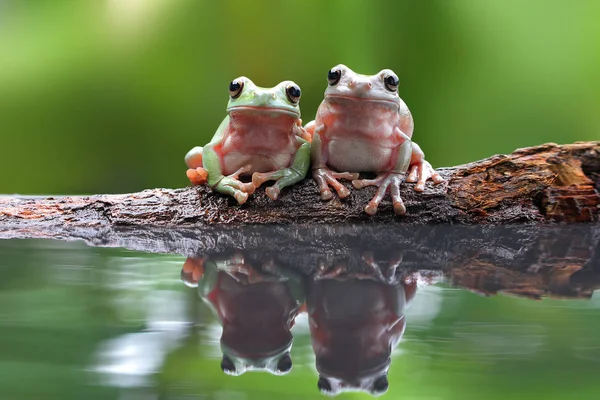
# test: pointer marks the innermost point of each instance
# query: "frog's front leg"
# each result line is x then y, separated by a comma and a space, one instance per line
421, 170
325, 176
286, 176
389, 180
230, 184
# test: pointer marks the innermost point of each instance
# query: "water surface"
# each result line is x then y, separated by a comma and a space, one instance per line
109, 323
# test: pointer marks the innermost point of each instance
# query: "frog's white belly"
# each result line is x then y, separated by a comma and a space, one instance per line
259, 163
358, 156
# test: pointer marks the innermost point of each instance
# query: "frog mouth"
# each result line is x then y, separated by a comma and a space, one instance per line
257, 109
370, 99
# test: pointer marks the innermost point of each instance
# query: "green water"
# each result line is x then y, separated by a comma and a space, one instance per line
78, 322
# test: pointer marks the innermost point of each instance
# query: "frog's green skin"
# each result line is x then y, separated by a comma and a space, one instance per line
362, 125
261, 136
256, 307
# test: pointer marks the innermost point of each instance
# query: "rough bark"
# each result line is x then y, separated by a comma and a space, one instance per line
481, 249
537, 184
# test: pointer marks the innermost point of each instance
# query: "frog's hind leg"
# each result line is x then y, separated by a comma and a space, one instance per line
193, 158
195, 173
421, 170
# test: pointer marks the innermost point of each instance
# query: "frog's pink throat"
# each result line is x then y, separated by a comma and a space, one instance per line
366, 99
256, 109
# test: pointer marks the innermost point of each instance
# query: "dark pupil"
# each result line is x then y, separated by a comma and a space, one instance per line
294, 91
234, 87
381, 384
285, 364
227, 364
391, 80
333, 76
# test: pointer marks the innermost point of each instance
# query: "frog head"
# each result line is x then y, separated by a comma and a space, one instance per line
347, 84
277, 363
375, 383
245, 96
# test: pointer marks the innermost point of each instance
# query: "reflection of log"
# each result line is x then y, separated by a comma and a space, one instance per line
547, 182
528, 260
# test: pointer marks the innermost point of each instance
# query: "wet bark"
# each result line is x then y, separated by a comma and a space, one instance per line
537, 184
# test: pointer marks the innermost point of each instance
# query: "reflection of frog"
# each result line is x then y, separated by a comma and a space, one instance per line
362, 125
256, 307
355, 322
262, 136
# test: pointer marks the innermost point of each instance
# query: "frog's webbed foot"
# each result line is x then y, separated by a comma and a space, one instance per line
326, 177
387, 275
192, 271
385, 181
195, 173
233, 186
420, 172
283, 177
197, 176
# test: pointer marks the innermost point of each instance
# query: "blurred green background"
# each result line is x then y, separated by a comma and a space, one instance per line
107, 96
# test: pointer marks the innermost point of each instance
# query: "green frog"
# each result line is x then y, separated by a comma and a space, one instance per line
261, 136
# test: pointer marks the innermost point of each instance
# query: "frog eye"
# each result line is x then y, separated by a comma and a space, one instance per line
227, 365
333, 76
391, 82
293, 93
284, 364
324, 385
380, 386
235, 88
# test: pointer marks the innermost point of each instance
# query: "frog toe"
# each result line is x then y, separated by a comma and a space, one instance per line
326, 194
371, 208
241, 197
342, 192
437, 178
413, 175
197, 176
272, 192
399, 207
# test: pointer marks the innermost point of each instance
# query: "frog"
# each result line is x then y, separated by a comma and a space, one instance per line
356, 319
261, 137
362, 125
256, 303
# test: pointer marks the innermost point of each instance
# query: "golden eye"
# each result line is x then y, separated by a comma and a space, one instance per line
235, 88
293, 93
391, 82
333, 76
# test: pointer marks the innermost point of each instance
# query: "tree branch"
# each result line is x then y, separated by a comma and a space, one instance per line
537, 184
